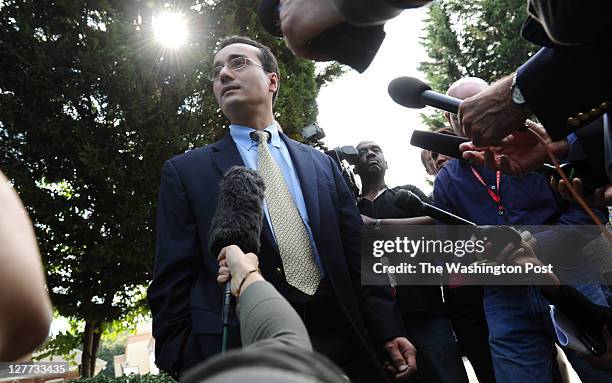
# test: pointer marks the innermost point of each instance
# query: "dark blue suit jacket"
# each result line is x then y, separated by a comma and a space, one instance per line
184, 297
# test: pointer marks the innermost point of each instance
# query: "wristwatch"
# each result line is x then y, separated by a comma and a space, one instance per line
517, 95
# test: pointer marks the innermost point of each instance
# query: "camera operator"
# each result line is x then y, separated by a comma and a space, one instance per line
421, 306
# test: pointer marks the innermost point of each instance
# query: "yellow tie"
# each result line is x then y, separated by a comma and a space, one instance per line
301, 270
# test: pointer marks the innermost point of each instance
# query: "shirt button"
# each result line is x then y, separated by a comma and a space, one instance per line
279, 272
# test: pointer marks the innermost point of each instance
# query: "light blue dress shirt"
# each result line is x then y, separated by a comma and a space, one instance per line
247, 148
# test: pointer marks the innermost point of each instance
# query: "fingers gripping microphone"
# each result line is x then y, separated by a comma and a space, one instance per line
407, 200
346, 43
237, 221
414, 93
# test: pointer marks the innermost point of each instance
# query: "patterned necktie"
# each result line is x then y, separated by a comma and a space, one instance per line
301, 270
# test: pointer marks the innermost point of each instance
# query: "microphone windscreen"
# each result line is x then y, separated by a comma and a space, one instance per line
407, 91
238, 218
407, 200
267, 11
437, 142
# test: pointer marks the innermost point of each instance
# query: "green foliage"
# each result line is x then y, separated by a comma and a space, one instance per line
90, 107
100, 378
476, 38
110, 348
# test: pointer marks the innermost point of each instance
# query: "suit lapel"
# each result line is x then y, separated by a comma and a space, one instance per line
305, 169
225, 154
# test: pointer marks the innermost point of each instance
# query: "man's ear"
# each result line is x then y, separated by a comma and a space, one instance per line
274, 82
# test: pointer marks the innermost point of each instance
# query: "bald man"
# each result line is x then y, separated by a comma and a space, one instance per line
520, 331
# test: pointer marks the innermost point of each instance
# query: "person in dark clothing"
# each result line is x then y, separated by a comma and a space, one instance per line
428, 329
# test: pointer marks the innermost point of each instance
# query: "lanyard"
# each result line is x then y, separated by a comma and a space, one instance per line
495, 195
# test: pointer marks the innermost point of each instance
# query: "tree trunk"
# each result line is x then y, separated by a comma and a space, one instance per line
97, 334
87, 348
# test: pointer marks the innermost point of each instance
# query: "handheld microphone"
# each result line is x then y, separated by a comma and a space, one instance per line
437, 142
237, 221
407, 200
414, 93
497, 236
345, 43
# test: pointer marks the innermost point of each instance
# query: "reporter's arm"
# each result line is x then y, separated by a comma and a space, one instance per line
265, 314
25, 308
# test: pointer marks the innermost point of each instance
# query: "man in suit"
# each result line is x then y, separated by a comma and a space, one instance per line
314, 262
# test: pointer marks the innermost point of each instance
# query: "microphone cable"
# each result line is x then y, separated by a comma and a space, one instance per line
577, 197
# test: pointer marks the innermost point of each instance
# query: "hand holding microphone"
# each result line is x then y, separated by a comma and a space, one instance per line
237, 221
242, 269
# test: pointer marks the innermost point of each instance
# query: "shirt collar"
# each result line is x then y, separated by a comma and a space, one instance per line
242, 135
380, 192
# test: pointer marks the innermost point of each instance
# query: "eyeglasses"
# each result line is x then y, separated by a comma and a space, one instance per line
234, 64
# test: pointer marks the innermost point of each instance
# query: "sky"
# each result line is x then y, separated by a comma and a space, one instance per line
357, 107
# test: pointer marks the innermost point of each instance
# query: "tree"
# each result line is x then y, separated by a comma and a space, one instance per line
477, 38
90, 107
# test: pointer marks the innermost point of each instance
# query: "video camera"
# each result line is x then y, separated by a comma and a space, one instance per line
344, 156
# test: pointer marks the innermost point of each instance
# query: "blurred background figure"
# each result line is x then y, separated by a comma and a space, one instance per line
25, 308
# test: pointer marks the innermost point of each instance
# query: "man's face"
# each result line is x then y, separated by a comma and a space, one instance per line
371, 159
440, 160
248, 88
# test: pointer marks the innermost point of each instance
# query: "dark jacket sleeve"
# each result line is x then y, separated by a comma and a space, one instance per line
176, 264
567, 87
572, 22
383, 317
371, 12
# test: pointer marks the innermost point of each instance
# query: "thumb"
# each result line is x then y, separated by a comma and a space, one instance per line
396, 356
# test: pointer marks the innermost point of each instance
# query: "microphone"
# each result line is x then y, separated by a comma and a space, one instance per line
237, 221
407, 200
414, 93
437, 142
345, 43
497, 236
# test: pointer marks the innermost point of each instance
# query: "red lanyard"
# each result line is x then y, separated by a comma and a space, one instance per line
495, 195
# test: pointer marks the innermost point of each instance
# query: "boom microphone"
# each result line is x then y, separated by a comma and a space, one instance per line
414, 93
237, 221
437, 142
407, 200
346, 43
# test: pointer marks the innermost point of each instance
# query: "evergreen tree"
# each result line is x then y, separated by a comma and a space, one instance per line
477, 38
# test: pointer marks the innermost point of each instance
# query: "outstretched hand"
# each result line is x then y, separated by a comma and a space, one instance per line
234, 265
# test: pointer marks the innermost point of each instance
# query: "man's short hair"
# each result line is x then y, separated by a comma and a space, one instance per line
268, 61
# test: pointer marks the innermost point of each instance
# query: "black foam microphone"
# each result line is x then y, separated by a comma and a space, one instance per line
414, 93
349, 44
237, 221
437, 142
409, 201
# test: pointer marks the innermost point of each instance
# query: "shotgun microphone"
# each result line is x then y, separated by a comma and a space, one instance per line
409, 201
